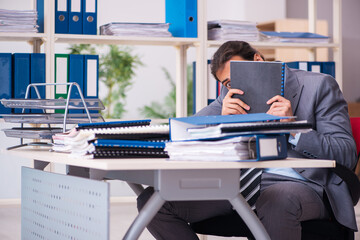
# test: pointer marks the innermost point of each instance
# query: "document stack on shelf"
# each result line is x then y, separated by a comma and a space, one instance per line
257, 136
136, 29
18, 21
293, 37
120, 139
233, 30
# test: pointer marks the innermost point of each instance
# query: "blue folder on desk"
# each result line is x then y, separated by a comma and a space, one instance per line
61, 16
179, 126
128, 143
5, 80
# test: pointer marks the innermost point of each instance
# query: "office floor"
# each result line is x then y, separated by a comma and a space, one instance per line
122, 214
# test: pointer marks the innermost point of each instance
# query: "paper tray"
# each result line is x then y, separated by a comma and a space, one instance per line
92, 104
50, 118
32, 133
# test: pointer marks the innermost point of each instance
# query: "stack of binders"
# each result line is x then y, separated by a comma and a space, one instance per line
75, 16
18, 70
120, 139
250, 137
81, 69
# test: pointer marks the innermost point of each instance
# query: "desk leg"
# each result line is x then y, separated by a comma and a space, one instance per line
249, 217
146, 214
137, 188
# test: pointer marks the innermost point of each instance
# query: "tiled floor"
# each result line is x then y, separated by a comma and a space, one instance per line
122, 214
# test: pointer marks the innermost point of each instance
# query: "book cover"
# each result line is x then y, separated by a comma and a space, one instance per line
259, 81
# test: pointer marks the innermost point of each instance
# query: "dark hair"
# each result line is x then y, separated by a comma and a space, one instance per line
229, 50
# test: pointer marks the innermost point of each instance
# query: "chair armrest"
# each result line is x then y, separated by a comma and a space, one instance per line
351, 180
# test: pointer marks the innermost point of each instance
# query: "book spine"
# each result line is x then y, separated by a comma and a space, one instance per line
282, 79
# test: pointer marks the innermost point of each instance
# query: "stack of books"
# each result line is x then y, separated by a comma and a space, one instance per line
250, 137
232, 30
18, 21
120, 139
136, 29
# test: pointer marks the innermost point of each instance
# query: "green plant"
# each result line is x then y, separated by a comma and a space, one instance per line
116, 70
167, 109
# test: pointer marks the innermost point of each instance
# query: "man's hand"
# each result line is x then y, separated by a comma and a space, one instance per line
281, 107
233, 106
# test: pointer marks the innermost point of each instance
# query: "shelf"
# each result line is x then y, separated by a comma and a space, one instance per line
281, 45
8, 36
118, 40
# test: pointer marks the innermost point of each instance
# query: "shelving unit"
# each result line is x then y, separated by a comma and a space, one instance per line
201, 61
49, 39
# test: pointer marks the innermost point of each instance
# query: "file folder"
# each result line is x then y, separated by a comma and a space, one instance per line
91, 76
76, 74
5, 80
179, 126
89, 17
37, 75
40, 12
182, 16
61, 76
21, 76
61, 16
75, 17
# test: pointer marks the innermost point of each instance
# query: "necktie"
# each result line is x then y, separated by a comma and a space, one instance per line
250, 179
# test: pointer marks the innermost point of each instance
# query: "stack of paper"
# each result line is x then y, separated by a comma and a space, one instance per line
232, 149
293, 37
136, 29
18, 21
232, 30
121, 139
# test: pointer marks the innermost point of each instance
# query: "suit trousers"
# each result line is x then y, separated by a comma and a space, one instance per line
283, 203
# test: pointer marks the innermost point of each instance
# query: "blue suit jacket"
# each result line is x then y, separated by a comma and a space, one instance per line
317, 98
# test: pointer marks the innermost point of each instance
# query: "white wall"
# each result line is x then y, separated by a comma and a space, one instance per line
150, 84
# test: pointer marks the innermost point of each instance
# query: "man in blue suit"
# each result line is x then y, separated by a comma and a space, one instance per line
288, 196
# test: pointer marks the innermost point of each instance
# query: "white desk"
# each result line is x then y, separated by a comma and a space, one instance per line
175, 180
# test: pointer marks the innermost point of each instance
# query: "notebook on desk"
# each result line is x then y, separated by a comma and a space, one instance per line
259, 81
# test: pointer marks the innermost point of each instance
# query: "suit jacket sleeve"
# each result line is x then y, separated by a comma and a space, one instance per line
332, 136
215, 107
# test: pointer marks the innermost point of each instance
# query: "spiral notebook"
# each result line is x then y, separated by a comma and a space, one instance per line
259, 81
125, 152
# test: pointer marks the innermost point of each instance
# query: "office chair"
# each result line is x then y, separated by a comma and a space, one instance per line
330, 229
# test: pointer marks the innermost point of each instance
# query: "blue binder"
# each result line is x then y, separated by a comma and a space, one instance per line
328, 68
89, 8
61, 16
91, 76
76, 74
40, 12
271, 147
5, 80
182, 16
75, 16
37, 75
21, 76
